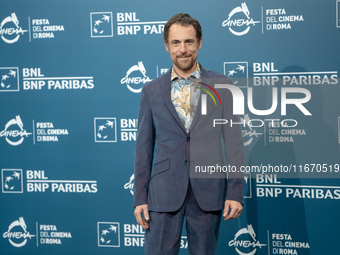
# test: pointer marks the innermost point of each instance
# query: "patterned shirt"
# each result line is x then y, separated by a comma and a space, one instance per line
185, 95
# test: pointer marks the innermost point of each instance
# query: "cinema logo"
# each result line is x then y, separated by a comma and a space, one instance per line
248, 132
14, 132
245, 242
17, 233
10, 30
135, 78
239, 21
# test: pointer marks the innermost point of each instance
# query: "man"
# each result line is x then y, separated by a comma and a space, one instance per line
175, 137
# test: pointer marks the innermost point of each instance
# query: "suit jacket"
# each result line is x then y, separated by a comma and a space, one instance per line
165, 152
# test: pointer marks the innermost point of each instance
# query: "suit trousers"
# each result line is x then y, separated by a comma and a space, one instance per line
164, 234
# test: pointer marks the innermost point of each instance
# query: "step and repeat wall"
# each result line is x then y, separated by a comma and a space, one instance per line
71, 74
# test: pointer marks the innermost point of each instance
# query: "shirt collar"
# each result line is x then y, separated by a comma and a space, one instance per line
196, 74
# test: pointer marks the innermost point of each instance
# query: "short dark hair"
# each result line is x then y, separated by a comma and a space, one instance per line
183, 19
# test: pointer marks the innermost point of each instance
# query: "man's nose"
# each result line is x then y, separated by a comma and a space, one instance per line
183, 48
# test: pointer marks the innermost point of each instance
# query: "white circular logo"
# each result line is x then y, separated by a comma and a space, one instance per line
11, 133
132, 77
20, 237
240, 23
7, 29
243, 245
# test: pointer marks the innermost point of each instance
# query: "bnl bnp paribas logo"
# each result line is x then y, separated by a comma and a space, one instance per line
108, 234
14, 131
101, 24
11, 180
105, 130
9, 79
239, 20
238, 72
10, 30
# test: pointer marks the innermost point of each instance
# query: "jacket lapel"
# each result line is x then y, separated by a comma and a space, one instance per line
204, 75
166, 94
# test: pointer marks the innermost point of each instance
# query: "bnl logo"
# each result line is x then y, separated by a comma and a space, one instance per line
108, 234
9, 79
105, 130
101, 24
11, 180
238, 72
128, 129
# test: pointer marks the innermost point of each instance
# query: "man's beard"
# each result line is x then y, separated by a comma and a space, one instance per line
185, 66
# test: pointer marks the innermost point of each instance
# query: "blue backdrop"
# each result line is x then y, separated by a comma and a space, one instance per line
71, 74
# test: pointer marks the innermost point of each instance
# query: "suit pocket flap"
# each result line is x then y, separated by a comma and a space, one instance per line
160, 167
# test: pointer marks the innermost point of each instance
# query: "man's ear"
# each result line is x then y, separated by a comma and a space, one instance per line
166, 44
200, 44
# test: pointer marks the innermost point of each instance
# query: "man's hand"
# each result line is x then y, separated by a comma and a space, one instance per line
234, 207
144, 222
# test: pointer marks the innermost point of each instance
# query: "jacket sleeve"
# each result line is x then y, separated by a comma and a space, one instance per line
234, 150
144, 150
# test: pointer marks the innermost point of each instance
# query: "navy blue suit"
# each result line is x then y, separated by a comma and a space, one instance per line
165, 152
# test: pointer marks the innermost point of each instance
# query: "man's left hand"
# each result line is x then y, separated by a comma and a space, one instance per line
234, 207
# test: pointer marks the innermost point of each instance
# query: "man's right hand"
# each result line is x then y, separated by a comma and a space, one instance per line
139, 210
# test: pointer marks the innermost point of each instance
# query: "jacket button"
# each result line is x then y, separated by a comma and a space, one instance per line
186, 161
188, 138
